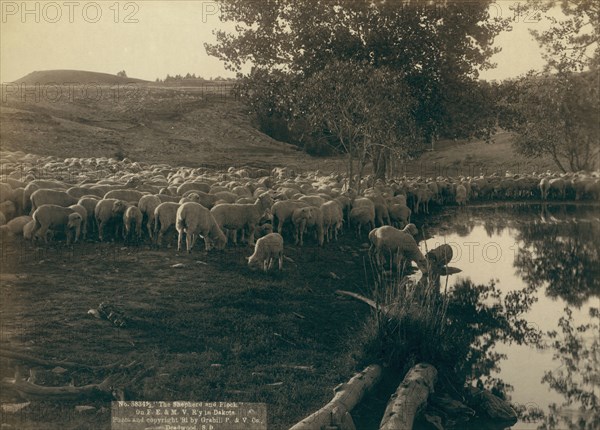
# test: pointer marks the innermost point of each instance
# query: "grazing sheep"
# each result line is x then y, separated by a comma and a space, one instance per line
126, 195
109, 211
84, 217
165, 216
193, 186
35, 185
303, 218
147, 206
461, 195
558, 185
362, 216
439, 257
56, 217
399, 215
132, 215
315, 201
266, 250
206, 200
46, 196
8, 209
282, 211
234, 216
333, 219
194, 219
89, 203
79, 192
399, 243
28, 230
15, 225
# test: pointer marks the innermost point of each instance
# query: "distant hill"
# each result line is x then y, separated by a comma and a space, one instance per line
75, 76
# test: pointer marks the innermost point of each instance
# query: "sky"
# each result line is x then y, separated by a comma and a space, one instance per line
153, 38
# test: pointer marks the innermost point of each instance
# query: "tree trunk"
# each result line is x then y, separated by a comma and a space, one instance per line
380, 163
409, 398
494, 407
336, 413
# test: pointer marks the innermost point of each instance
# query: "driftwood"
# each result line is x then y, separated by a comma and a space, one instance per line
490, 405
336, 413
409, 398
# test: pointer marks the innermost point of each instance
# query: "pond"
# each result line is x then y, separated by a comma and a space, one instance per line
551, 252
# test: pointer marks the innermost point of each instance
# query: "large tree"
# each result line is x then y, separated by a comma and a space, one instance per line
432, 46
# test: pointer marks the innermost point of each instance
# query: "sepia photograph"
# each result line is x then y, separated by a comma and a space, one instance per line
300, 215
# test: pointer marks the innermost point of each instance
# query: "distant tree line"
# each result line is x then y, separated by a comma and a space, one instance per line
192, 78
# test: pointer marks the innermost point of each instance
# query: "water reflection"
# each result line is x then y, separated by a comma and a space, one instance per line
550, 258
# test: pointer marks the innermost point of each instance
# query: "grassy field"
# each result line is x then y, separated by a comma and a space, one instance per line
212, 329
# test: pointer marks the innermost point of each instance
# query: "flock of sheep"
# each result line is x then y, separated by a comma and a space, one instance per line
94, 198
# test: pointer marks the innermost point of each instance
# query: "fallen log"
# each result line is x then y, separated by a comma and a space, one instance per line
409, 398
336, 413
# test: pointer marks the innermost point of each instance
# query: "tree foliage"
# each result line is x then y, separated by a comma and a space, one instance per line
555, 115
430, 46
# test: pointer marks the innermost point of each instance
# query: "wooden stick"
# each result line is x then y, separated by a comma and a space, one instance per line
346, 396
409, 398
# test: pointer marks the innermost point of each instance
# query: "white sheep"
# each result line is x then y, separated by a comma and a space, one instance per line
35, 185
399, 215
132, 216
333, 219
165, 216
194, 219
266, 250
46, 196
362, 216
282, 211
397, 242
147, 205
303, 218
89, 203
56, 217
84, 217
107, 211
8, 209
234, 216
16, 225
28, 230
461, 195
126, 195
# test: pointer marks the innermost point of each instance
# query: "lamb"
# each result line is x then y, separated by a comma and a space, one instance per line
333, 219
399, 215
147, 205
397, 242
46, 196
193, 219
238, 216
362, 216
56, 217
165, 216
310, 216
28, 230
282, 211
266, 250
132, 215
84, 217
109, 210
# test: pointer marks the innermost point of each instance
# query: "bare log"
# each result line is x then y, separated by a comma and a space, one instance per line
336, 413
409, 398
